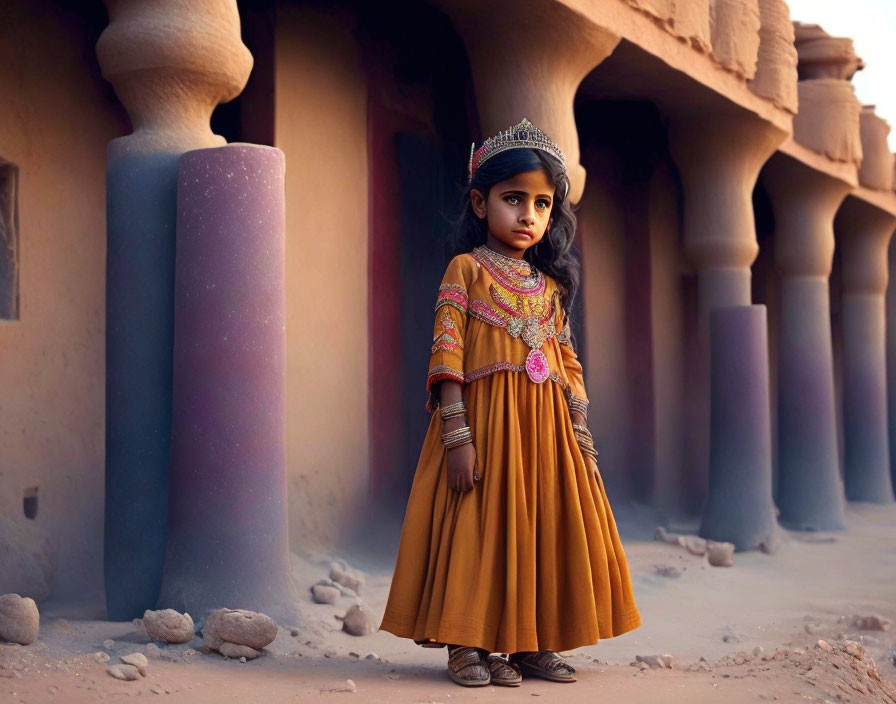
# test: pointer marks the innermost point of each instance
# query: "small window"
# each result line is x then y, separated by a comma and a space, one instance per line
9, 241
29, 502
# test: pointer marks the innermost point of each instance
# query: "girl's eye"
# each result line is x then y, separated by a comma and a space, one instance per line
541, 203
513, 200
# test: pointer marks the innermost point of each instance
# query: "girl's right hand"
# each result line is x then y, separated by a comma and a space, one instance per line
461, 463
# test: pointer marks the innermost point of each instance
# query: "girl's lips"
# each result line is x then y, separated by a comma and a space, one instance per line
527, 233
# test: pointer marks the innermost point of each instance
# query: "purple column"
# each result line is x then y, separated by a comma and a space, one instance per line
227, 532
739, 508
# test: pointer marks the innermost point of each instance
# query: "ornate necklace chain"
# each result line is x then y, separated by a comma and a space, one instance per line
513, 273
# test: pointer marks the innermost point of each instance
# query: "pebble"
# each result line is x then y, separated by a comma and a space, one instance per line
127, 673
19, 619
655, 661
241, 652
169, 626
152, 651
854, 649
108, 644
350, 578
240, 627
372, 656
758, 650
720, 554
359, 620
101, 657
824, 645
349, 686
323, 594
871, 623
695, 545
138, 660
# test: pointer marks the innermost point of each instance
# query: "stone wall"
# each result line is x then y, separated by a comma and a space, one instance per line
57, 118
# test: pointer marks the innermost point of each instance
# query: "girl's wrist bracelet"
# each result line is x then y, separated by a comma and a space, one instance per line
456, 438
453, 410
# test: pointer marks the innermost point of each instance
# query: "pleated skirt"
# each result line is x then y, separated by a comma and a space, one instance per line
530, 558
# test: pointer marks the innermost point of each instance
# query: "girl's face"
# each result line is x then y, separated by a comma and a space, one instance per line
518, 211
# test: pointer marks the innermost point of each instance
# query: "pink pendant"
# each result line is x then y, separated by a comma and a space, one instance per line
537, 366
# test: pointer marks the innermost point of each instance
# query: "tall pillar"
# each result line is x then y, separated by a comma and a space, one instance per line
890, 305
805, 201
171, 62
518, 72
718, 159
228, 543
739, 507
864, 228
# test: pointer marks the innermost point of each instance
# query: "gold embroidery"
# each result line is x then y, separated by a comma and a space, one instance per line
446, 339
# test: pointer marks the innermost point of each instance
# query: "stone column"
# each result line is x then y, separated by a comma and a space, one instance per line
864, 228
739, 507
718, 158
810, 490
228, 543
890, 305
171, 62
520, 73
864, 232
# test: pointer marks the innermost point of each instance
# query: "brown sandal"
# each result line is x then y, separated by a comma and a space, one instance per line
467, 667
504, 672
545, 664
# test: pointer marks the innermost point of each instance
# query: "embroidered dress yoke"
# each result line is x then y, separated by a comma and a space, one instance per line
530, 558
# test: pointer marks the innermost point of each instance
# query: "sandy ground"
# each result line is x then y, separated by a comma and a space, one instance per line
810, 589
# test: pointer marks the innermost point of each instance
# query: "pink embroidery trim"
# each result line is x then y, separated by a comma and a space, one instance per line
452, 294
483, 311
441, 373
483, 372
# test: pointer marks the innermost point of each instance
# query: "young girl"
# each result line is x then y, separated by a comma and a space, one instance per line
509, 544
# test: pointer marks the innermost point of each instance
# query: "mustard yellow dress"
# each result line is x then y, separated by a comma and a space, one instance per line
530, 558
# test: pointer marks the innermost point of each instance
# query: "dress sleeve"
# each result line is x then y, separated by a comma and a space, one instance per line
447, 360
576, 395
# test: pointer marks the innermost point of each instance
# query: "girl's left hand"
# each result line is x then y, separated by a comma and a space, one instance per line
591, 463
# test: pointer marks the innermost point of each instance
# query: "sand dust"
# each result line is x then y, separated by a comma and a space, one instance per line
810, 589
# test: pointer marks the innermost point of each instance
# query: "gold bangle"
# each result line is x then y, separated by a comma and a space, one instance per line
453, 410
456, 438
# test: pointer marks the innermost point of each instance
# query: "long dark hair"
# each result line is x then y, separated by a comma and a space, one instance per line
554, 254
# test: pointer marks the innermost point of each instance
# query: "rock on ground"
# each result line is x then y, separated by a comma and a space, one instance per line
359, 620
323, 594
240, 627
138, 660
232, 650
871, 623
720, 554
341, 573
656, 661
168, 626
128, 673
19, 619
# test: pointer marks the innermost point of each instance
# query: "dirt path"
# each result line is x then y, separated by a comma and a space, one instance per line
811, 589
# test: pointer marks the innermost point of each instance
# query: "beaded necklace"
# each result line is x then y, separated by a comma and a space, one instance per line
516, 275
518, 305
